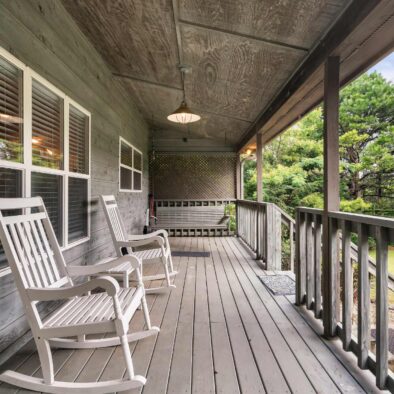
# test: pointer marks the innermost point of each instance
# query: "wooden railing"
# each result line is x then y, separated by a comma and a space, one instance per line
259, 225
326, 284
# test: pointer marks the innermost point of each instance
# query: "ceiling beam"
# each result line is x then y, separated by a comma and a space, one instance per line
136, 79
346, 23
243, 35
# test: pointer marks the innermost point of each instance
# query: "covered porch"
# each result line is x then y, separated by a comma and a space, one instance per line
222, 331
89, 86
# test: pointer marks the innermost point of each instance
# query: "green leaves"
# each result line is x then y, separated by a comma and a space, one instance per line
293, 163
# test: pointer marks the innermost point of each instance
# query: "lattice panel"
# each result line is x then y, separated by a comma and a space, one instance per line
193, 175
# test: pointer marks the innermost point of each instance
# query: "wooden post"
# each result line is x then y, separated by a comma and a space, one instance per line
259, 166
238, 182
331, 194
273, 238
382, 335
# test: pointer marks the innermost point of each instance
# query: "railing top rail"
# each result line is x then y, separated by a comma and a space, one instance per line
195, 199
353, 217
284, 214
310, 210
365, 219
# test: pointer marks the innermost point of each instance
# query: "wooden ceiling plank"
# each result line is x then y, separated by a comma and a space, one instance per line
136, 79
348, 21
248, 36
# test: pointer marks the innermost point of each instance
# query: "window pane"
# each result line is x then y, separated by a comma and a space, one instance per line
77, 209
137, 181
47, 135
50, 188
126, 154
125, 179
78, 141
10, 186
137, 161
11, 122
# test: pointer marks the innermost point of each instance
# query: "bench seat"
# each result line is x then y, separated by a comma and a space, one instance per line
193, 220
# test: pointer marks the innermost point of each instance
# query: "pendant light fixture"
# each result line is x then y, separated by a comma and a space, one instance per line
183, 114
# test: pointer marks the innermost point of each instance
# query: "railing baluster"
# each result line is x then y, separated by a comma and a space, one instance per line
300, 262
381, 307
347, 285
291, 238
363, 296
317, 263
309, 261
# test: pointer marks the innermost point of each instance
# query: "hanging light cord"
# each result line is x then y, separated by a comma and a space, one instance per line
182, 70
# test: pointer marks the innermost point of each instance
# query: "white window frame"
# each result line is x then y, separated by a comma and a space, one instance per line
27, 167
132, 169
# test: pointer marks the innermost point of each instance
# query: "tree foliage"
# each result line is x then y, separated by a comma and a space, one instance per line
293, 163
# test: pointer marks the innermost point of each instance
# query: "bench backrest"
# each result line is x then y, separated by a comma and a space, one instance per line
193, 216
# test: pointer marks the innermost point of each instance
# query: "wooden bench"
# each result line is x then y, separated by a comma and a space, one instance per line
192, 220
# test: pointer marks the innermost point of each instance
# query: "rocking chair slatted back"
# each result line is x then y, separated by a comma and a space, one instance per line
30, 244
118, 231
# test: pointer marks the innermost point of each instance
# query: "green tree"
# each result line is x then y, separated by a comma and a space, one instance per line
293, 163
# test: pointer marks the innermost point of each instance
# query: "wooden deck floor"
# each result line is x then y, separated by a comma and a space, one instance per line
221, 331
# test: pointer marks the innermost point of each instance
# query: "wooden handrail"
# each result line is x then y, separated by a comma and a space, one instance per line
259, 226
340, 226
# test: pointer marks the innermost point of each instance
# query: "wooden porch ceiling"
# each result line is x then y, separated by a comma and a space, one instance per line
241, 53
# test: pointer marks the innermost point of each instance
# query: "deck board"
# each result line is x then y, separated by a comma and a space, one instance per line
222, 331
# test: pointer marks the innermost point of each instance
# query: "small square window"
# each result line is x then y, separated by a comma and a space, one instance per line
130, 163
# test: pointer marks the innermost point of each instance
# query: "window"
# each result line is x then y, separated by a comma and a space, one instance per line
11, 121
44, 150
10, 186
130, 167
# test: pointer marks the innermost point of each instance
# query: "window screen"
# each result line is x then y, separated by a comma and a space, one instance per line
11, 122
78, 141
77, 209
47, 123
10, 186
50, 188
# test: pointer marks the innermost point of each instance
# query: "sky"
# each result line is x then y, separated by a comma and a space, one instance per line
385, 67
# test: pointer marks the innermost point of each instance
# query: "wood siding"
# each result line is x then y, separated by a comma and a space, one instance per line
43, 35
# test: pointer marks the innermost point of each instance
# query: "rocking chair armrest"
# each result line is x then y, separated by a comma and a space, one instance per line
141, 242
110, 285
103, 265
156, 233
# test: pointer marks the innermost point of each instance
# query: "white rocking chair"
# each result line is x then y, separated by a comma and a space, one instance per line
41, 274
125, 243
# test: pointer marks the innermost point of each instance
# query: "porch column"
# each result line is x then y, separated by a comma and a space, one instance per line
331, 195
259, 166
239, 178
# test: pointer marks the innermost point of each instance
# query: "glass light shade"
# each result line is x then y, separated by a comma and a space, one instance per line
183, 115
10, 118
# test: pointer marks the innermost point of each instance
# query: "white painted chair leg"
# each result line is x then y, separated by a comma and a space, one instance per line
45, 355
167, 274
127, 356
126, 280
171, 263
146, 313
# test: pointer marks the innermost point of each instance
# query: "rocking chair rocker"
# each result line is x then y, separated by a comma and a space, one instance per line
41, 274
125, 243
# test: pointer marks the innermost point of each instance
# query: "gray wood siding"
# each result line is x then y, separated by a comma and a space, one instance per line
44, 36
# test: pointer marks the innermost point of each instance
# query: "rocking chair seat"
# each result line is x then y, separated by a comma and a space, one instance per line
149, 254
94, 308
